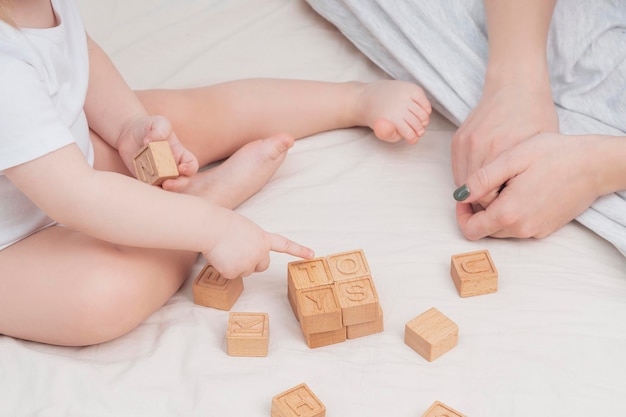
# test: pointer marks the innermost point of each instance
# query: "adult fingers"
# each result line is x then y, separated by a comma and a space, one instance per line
476, 225
489, 180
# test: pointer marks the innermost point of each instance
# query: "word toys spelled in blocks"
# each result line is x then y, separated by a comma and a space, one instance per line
334, 298
439, 409
155, 163
299, 401
211, 289
474, 273
248, 334
431, 334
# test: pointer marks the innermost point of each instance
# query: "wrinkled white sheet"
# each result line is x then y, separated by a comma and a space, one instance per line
550, 342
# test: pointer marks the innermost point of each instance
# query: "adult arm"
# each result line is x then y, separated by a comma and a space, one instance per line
516, 102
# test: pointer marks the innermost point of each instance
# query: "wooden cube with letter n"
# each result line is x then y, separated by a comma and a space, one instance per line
155, 163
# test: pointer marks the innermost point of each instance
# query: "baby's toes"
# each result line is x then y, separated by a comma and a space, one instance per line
386, 131
421, 113
411, 130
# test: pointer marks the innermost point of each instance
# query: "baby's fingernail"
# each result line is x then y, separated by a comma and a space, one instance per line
461, 193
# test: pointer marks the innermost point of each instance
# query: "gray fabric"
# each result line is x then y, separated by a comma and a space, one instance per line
442, 46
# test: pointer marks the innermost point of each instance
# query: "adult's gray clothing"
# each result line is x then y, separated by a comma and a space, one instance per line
442, 46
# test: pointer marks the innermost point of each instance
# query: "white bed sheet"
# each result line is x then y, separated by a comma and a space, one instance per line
550, 342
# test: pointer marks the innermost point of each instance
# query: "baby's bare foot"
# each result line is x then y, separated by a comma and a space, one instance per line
394, 110
243, 174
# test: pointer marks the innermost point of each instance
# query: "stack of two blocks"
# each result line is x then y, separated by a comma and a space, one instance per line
334, 298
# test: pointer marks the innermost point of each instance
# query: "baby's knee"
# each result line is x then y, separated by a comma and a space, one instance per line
108, 307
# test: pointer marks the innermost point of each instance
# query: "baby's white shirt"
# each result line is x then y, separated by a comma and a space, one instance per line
44, 76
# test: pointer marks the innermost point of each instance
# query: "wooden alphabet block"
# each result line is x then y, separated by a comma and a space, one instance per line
334, 298
365, 329
474, 273
211, 289
306, 274
299, 401
315, 340
319, 309
348, 265
358, 300
439, 409
248, 334
155, 163
431, 334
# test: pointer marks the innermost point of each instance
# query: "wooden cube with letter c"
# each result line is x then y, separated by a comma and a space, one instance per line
474, 273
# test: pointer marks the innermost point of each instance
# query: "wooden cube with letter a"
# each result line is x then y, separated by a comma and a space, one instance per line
474, 273
248, 334
155, 163
299, 401
439, 409
211, 289
431, 334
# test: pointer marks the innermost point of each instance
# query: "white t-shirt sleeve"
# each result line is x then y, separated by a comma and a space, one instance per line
31, 126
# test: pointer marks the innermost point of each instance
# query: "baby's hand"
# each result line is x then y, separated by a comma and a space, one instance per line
147, 129
242, 247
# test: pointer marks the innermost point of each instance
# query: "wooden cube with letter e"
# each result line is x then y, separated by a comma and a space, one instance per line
211, 289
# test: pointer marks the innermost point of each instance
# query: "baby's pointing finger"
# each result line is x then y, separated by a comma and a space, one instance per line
281, 244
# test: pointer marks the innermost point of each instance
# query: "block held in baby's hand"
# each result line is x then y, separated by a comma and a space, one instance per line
155, 163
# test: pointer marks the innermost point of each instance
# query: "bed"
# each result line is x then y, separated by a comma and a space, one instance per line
550, 342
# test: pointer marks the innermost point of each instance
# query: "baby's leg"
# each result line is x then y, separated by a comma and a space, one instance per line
213, 122
62, 287
243, 174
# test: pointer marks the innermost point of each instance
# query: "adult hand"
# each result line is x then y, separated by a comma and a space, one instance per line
550, 179
145, 129
507, 114
241, 247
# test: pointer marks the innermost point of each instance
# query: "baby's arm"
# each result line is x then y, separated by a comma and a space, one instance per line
124, 211
116, 114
